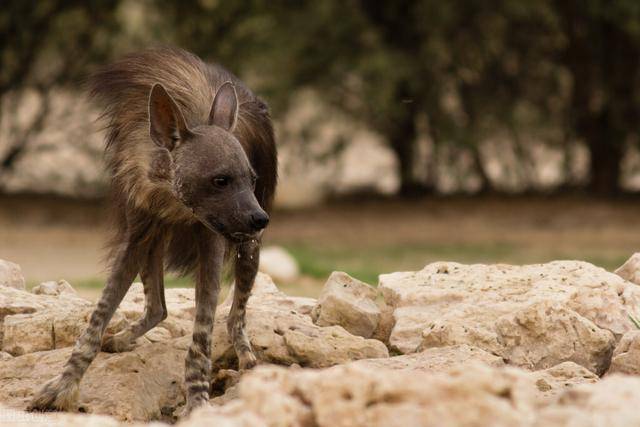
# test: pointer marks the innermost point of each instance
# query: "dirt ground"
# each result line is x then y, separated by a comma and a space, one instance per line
54, 238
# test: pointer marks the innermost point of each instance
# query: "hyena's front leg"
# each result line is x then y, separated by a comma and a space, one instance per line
61, 392
155, 310
246, 268
198, 363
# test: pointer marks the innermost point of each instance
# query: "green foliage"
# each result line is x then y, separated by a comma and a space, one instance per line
456, 72
469, 69
367, 263
53, 42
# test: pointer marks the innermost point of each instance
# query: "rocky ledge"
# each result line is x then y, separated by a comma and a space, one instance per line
537, 345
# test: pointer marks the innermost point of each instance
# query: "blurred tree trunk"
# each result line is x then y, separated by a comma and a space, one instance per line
605, 150
402, 135
485, 182
402, 140
603, 61
468, 97
395, 23
594, 113
22, 35
31, 29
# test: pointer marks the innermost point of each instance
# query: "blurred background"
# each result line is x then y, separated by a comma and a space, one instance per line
409, 131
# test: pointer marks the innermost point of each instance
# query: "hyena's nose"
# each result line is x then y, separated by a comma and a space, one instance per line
259, 220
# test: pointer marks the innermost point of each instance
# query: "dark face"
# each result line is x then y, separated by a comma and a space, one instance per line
214, 178
212, 174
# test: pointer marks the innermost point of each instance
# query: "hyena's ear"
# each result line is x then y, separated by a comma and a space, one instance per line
167, 126
224, 110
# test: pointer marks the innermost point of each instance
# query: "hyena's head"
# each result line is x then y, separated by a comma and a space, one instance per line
212, 175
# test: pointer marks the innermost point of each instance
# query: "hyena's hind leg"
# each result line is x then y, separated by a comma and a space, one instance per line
246, 268
155, 310
61, 393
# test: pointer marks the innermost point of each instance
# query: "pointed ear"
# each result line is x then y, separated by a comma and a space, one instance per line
167, 126
224, 110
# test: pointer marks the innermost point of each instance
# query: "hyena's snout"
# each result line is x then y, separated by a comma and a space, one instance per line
258, 220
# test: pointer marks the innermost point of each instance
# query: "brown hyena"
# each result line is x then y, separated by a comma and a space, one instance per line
193, 163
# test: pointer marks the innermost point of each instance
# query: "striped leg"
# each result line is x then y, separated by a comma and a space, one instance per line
246, 268
198, 361
155, 310
62, 391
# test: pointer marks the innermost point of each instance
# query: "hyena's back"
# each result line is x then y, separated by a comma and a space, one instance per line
139, 185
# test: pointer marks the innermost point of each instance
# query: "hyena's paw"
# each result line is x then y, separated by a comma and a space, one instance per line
192, 404
117, 343
247, 360
57, 395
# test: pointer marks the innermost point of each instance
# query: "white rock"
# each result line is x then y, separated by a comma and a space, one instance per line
54, 288
544, 334
279, 326
355, 396
626, 356
279, 264
611, 402
548, 382
558, 379
131, 386
232, 414
282, 333
18, 338
330, 346
11, 275
14, 301
630, 270
36, 322
516, 312
473, 394
146, 383
437, 359
563, 321
50, 329
348, 302
303, 305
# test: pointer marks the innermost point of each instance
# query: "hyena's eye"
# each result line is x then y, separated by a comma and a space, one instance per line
221, 181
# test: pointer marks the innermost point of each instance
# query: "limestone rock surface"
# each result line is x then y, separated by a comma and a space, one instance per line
11, 275
534, 316
280, 333
349, 303
470, 346
356, 395
611, 402
135, 385
626, 356
437, 359
630, 270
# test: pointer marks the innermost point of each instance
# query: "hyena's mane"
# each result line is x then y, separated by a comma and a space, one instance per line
142, 198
